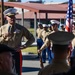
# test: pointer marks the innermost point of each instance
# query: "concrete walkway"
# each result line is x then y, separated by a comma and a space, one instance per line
31, 64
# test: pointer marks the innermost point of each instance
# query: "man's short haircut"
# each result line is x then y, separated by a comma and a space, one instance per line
59, 48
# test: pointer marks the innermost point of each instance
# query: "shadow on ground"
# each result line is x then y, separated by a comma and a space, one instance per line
30, 57
30, 69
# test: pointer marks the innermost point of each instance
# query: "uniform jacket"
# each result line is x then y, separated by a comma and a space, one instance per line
55, 67
14, 40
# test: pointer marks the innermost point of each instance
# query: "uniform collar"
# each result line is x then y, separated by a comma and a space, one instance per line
11, 25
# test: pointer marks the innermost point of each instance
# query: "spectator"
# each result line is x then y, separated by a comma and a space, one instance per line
60, 50
6, 60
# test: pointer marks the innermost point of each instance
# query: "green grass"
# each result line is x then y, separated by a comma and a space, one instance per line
31, 50
31, 30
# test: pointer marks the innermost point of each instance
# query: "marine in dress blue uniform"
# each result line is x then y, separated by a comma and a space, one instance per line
39, 39
47, 43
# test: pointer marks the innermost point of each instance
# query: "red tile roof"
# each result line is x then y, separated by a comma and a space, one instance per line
30, 15
37, 7
53, 10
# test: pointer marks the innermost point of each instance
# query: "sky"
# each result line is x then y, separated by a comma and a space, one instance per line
46, 0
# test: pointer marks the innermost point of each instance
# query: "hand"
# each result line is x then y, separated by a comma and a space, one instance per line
6, 35
21, 47
39, 51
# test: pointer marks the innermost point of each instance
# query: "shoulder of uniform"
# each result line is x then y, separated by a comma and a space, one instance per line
19, 26
42, 31
37, 29
4, 25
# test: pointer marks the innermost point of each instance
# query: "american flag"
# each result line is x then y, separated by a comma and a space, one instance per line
69, 17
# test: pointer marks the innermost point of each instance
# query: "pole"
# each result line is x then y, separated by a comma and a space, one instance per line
39, 17
35, 16
23, 20
23, 17
2, 9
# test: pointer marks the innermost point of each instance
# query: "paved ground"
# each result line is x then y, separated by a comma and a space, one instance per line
31, 64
